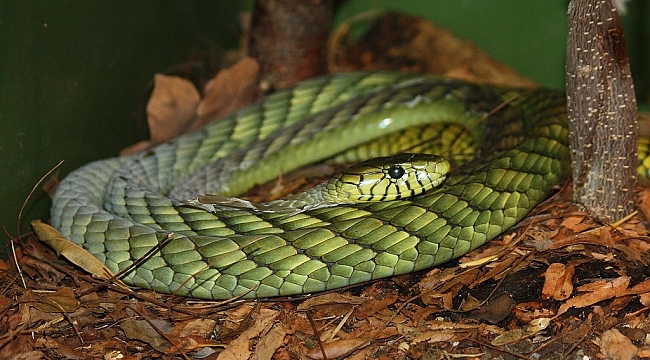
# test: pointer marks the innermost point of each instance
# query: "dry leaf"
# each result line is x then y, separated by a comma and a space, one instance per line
270, 343
170, 110
513, 336
144, 331
61, 348
510, 337
615, 346
643, 201
229, 90
470, 303
195, 327
645, 299
73, 252
638, 245
381, 299
330, 298
575, 223
171, 107
435, 336
63, 300
335, 349
239, 349
595, 292
558, 282
495, 309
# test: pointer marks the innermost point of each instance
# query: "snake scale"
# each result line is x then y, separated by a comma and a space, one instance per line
121, 208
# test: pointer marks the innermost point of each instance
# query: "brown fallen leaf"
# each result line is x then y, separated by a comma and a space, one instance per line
63, 300
597, 291
239, 349
436, 336
616, 346
330, 298
62, 349
335, 348
144, 331
270, 343
645, 299
380, 298
558, 282
643, 201
515, 335
170, 110
528, 311
195, 327
575, 223
171, 107
642, 289
639, 245
228, 91
620, 302
175, 106
73, 252
494, 310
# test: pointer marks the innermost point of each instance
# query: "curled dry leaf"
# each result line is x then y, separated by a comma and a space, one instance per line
63, 300
437, 336
229, 90
144, 331
595, 292
380, 299
270, 343
239, 349
513, 336
195, 327
642, 289
527, 312
170, 110
616, 346
175, 106
330, 298
335, 348
558, 282
494, 310
171, 107
73, 252
643, 201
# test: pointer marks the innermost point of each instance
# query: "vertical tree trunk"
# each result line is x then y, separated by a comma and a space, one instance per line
289, 39
601, 106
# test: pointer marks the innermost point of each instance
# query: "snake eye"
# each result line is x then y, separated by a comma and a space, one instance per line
396, 171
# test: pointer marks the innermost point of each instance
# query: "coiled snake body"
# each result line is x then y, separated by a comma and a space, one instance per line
120, 208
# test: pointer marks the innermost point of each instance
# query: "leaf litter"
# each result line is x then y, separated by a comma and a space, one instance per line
558, 285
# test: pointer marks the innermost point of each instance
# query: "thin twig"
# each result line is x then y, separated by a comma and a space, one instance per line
20, 216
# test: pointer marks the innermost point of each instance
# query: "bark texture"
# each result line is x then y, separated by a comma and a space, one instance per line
289, 38
601, 106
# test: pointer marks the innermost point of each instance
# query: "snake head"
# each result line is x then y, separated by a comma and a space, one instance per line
391, 178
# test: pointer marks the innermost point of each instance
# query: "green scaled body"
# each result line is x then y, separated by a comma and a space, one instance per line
118, 209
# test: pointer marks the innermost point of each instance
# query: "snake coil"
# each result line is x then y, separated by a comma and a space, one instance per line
120, 208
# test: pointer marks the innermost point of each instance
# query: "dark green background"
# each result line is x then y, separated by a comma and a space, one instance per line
72, 73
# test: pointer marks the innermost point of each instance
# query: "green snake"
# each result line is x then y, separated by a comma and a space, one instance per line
378, 179
121, 208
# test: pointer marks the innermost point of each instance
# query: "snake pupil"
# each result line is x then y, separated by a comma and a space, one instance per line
396, 171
